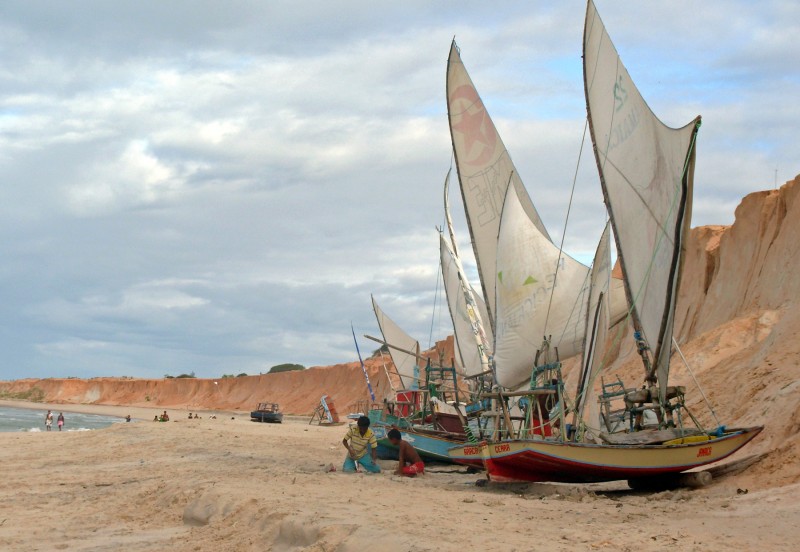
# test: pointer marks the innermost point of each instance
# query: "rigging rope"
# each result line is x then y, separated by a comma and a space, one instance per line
566, 223
697, 383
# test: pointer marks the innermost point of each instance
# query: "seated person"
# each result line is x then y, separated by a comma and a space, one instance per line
408, 455
165, 417
361, 447
155, 419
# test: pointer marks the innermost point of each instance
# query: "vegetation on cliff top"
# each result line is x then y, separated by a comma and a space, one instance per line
288, 367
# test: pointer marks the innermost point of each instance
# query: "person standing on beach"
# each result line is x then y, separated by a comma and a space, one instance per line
60, 420
48, 420
362, 448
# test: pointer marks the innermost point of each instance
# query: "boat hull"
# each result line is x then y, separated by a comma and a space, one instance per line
431, 447
467, 454
540, 460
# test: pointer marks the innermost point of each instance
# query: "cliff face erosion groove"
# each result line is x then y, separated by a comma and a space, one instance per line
737, 322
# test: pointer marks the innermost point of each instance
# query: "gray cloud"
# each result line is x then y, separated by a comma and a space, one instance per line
196, 186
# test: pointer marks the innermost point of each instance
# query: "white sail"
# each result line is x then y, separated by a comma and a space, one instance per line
404, 363
470, 342
646, 170
597, 323
529, 305
484, 313
484, 171
617, 302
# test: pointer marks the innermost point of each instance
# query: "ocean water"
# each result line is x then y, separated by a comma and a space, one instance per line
23, 419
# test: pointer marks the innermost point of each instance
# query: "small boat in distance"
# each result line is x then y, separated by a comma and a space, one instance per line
267, 412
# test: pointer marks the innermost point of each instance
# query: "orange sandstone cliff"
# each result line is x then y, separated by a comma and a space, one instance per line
297, 392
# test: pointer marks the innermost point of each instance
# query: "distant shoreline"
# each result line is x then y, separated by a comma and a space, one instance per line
135, 412
117, 411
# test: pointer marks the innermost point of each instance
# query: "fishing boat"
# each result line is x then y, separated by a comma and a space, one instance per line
426, 407
267, 412
646, 173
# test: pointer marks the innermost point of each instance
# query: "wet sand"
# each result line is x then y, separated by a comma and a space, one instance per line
236, 485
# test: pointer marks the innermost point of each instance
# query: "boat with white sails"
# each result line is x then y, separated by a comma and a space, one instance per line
646, 172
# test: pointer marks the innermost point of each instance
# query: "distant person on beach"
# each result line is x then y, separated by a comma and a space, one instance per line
408, 455
362, 448
128, 418
164, 417
48, 421
155, 418
60, 420
190, 416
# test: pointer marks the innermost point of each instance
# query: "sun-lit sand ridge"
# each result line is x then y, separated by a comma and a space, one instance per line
234, 485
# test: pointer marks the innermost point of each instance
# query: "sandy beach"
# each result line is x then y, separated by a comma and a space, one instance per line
230, 484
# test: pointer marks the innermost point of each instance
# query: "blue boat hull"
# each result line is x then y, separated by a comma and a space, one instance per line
431, 447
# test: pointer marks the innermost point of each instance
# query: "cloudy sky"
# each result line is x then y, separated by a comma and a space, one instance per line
218, 187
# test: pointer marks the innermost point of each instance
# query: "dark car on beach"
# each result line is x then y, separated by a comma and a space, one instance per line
267, 412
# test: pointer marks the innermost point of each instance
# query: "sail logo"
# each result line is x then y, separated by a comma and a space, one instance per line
704, 451
620, 94
470, 120
623, 130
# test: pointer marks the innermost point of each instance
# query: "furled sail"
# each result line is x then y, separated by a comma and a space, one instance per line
470, 339
529, 305
449, 219
484, 170
487, 328
646, 171
405, 364
597, 323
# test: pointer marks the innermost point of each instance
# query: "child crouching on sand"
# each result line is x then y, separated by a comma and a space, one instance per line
408, 455
362, 447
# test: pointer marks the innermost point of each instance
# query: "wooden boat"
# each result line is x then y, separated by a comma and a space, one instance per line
543, 460
267, 412
646, 172
426, 410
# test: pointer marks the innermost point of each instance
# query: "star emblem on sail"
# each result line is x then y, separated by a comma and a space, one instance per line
473, 124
